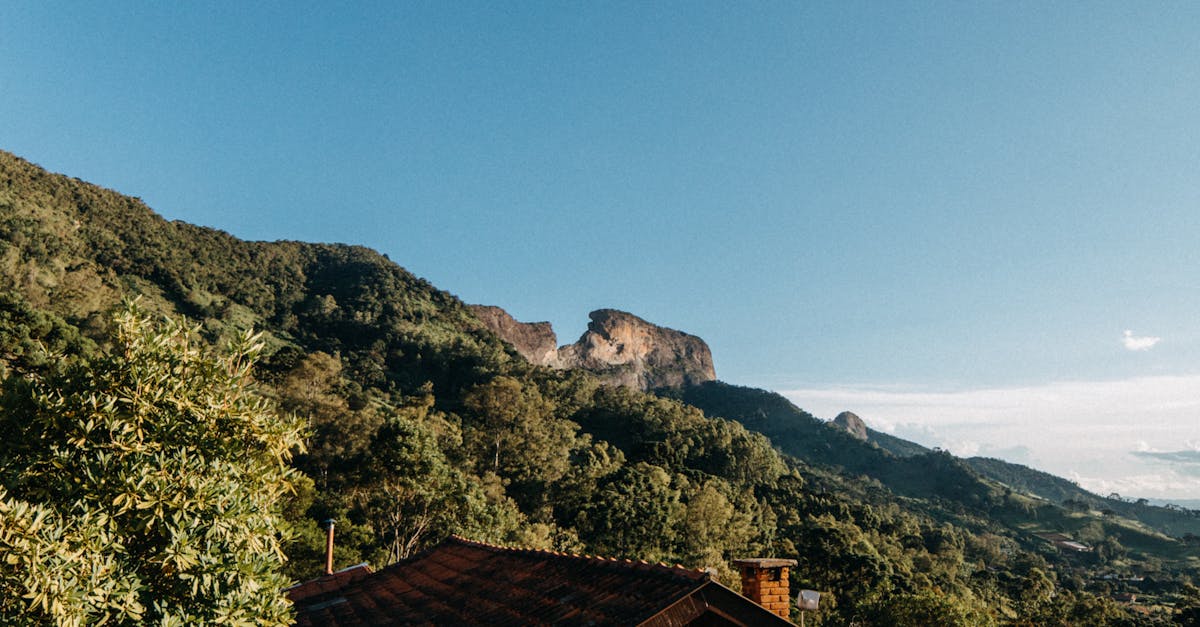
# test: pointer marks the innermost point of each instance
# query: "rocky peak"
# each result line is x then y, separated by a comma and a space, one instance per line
852, 423
626, 350
621, 348
535, 341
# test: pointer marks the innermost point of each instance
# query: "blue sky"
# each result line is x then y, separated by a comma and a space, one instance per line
927, 198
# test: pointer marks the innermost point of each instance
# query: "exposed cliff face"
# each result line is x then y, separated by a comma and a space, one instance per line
626, 350
535, 341
621, 348
852, 423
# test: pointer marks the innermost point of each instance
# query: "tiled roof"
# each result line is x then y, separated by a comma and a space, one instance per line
328, 583
461, 582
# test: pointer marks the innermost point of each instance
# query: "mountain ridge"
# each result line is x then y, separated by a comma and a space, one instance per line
618, 347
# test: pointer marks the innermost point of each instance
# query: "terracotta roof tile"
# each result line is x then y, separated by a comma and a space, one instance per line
465, 582
328, 583
462, 582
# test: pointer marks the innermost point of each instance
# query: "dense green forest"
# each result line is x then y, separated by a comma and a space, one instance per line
412, 421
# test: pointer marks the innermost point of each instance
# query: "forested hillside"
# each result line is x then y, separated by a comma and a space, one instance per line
909, 469
418, 422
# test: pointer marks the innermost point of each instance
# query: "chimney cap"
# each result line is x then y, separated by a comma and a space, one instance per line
328, 522
764, 562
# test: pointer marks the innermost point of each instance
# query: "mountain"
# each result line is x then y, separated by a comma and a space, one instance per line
798, 433
858, 428
852, 424
428, 417
910, 469
535, 341
618, 347
73, 251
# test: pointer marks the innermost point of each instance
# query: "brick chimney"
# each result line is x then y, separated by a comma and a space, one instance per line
765, 581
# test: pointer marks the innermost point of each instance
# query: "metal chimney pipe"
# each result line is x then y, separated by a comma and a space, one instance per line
328, 546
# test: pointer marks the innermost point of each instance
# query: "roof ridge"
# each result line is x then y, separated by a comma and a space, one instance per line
640, 564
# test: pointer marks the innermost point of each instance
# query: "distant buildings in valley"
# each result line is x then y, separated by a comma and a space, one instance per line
1064, 541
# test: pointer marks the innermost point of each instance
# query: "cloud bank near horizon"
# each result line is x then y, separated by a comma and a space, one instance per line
1119, 436
1186, 461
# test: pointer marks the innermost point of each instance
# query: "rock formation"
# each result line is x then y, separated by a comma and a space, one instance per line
535, 341
626, 350
852, 423
621, 348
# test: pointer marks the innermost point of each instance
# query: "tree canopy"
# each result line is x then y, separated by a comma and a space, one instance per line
145, 486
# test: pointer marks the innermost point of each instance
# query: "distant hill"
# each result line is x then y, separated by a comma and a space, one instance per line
895, 445
890, 443
910, 469
799, 433
1172, 519
1193, 504
1030, 481
855, 425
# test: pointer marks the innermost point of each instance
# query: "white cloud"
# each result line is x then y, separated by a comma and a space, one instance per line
1084, 429
1146, 484
1139, 342
1186, 461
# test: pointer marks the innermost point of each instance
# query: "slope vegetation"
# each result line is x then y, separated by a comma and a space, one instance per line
421, 423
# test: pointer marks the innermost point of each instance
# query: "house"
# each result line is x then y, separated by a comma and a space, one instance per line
1072, 545
1064, 541
462, 582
